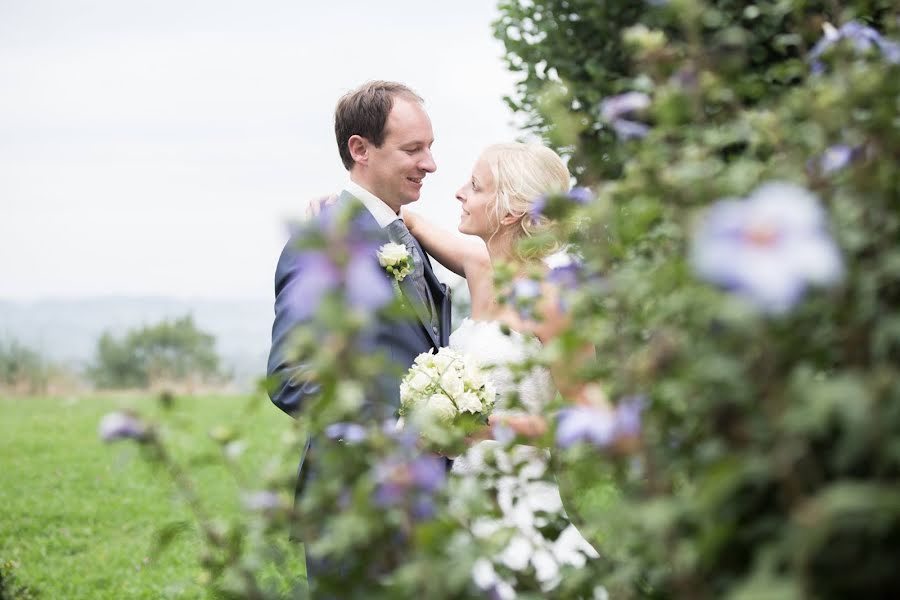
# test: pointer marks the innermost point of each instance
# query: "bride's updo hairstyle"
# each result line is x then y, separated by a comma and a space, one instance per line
522, 173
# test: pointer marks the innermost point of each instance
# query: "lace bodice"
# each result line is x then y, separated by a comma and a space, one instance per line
501, 355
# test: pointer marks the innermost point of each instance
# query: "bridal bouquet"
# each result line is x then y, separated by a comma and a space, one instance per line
446, 396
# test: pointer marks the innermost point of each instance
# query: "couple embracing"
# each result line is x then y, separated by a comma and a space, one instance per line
384, 137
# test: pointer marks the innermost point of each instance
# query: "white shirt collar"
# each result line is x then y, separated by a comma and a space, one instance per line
384, 215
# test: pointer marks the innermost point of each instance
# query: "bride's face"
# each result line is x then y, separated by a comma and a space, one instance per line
477, 197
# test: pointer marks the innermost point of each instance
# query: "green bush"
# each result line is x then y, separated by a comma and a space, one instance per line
771, 448
169, 351
22, 368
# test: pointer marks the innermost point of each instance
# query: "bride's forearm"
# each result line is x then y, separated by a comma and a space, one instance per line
455, 251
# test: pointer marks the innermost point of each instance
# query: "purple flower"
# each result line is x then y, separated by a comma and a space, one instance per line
580, 195
585, 424
614, 109
402, 479
863, 38
537, 207
406, 437
565, 270
363, 281
835, 158
317, 274
617, 107
600, 426
429, 472
768, 247
261, 501
628, 415
337, 252
630, 130
577, 195
121, 426
351, 433
368, 288
523, 295
525, 289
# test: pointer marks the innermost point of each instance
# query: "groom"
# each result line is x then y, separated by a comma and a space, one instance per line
384, 137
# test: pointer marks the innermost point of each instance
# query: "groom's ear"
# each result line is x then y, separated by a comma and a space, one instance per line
359, 149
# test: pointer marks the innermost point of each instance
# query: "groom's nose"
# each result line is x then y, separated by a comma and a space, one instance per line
427, 163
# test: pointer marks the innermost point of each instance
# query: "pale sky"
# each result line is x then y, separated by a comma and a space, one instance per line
157, 147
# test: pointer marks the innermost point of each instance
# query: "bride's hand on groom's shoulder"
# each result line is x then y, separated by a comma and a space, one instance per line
314, 207
410, 218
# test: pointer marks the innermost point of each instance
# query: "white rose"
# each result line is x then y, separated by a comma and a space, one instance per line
474, 376
445, 358
439, 407
489, 394
469, 402
424, 359
452, 384
406, 394
419, 381
391, 254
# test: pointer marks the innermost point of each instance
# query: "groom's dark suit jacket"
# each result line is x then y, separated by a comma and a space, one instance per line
400, 339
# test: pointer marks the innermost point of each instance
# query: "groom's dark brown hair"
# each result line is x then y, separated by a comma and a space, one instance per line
364, 112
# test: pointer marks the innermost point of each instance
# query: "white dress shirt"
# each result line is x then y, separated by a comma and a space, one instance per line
384, 215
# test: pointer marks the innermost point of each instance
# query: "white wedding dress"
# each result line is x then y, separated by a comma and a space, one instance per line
527, 494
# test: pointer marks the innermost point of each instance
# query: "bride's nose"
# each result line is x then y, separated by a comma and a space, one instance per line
459, 194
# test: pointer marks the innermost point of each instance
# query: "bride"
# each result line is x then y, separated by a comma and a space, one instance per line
496, 214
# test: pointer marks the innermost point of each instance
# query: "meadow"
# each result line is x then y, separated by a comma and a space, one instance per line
80, 518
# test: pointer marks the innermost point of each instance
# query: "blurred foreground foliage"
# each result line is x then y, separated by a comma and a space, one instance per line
772, 445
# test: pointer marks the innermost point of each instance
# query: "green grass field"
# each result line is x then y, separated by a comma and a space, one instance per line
78, 517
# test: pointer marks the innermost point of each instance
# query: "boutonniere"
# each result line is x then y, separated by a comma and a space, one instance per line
396, 260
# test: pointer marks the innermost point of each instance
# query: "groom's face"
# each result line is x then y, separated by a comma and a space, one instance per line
397, 169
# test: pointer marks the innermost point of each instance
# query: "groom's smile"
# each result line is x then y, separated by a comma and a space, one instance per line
396, 170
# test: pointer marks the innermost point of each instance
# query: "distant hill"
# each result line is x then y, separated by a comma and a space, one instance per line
66, 330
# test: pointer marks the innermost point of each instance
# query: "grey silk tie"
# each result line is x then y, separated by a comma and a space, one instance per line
400, 234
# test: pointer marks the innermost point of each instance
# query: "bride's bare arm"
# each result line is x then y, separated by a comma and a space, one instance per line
464, 255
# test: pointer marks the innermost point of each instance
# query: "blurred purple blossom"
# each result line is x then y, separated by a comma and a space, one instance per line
622, 105
863, 38
628, 415
585, 424
834, 159
351, 433
330, 258
600, 426
523, 295
614, 109
580, 195
565, 277
403, 479
122, 425
577, 195
629, 130
406, 437
768, 247
364, 282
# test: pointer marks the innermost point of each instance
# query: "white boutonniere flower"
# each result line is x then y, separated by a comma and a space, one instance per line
396, 260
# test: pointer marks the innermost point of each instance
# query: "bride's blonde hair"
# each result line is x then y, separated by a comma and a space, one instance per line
523, 173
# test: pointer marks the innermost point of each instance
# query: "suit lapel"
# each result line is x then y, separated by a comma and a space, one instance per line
407, 286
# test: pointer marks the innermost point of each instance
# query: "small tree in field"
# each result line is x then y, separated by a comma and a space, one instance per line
22, 368
169, 351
